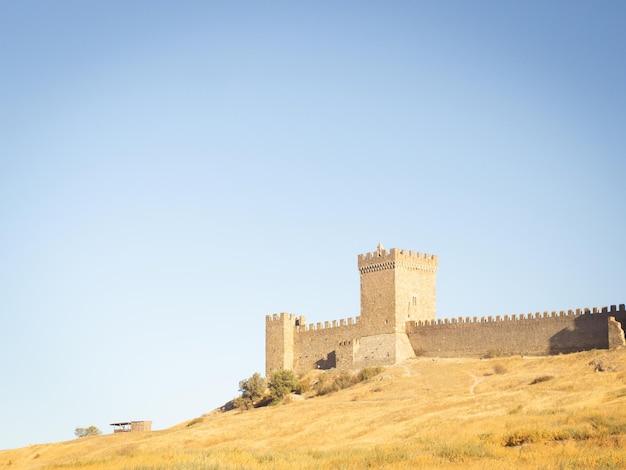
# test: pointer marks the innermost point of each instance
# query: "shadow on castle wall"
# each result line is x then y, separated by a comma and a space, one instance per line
330, 362
590, 331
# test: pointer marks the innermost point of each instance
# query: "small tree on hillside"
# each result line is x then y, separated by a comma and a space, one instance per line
282, 382
84, 432
253, 387
252, 390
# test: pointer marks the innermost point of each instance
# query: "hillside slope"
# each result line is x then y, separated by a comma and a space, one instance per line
566, 412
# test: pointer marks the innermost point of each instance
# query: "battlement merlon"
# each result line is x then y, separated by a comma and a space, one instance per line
388, 259
285, 318
613, 309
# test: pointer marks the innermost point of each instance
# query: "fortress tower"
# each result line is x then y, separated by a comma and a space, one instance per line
397, 286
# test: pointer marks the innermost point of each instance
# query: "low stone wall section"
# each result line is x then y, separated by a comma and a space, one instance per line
325, 346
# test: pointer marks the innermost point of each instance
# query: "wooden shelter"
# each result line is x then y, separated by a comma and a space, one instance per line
132, 426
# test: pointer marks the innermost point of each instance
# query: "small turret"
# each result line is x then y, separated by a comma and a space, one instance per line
279, 341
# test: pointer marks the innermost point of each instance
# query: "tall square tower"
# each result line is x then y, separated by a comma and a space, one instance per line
396, 286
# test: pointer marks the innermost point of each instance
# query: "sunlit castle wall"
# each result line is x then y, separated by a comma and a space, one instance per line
540, 333
397, 321
326, 345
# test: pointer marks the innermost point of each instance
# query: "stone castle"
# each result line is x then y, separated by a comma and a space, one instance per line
397, 321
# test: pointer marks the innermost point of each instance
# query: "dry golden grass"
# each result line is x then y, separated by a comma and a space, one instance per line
508, 413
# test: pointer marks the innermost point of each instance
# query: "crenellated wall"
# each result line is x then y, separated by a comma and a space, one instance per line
323, 345
398, 306
342, 344
540, 333
372, 260
291, 343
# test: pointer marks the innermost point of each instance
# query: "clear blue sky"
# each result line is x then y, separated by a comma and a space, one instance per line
171, 172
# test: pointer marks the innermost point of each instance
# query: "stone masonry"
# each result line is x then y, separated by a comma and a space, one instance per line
397, 321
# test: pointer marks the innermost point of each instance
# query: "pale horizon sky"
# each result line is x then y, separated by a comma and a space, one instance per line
172, 172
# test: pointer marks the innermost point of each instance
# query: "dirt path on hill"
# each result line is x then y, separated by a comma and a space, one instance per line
477, 380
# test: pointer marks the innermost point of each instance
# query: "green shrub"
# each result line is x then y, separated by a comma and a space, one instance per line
281, 383
242, 403
253, 388
84, 432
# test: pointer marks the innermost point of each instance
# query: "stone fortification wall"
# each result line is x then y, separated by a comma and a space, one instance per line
530, 334
397, 321
325, 345
345, 347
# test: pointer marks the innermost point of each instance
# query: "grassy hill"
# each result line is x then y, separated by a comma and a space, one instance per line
557, 412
